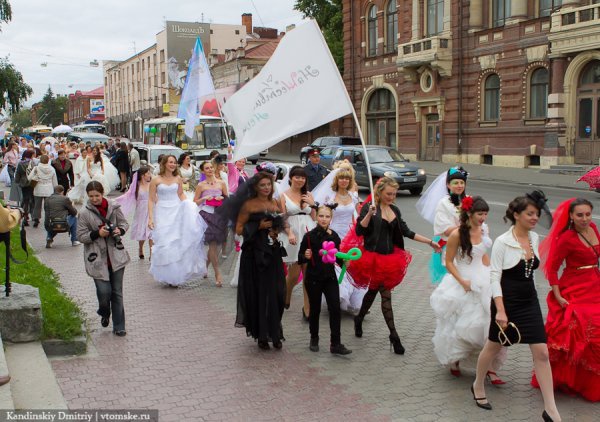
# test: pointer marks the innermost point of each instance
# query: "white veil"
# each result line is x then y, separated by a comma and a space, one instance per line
323, 193
427, 204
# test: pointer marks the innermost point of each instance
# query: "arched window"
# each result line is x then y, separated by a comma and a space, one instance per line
491, 98
538, 93
372, 31
381, 119
391, 16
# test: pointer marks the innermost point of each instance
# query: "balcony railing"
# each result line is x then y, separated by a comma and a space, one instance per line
575, 29
434, 51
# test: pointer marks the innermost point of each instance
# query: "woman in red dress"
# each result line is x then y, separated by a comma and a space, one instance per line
573, 323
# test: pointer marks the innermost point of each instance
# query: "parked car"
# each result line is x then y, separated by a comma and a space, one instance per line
149, 153
328, 155
254, 158
327, 141
384, 161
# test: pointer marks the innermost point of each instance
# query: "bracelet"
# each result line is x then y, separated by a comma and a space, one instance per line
431, 243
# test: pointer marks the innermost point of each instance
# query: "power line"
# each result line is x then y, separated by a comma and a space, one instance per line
257, 14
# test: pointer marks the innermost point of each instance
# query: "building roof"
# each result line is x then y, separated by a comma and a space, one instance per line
97, 91
263, 50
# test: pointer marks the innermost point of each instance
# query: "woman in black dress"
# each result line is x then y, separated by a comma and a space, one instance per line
122, 165
516, 315
261, 288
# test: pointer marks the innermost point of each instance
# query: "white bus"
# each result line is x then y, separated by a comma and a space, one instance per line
41, 130
90, 127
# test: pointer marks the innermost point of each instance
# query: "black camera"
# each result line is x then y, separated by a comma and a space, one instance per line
277, 219
111, 229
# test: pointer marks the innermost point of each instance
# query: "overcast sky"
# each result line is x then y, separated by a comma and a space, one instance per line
69, 34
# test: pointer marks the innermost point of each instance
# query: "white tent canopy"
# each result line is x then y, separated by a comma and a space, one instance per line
62, 129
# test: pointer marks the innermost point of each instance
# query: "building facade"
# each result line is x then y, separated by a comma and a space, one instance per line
86, 107
503, 82
148, 85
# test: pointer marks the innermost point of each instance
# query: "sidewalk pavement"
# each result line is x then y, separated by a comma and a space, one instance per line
480, 172
183, 356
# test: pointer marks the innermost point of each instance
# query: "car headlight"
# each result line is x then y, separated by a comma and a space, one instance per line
391, 174
421, 172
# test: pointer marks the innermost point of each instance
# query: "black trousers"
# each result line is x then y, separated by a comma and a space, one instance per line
330, 289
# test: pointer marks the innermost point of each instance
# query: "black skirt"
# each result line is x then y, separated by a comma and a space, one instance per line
521, 305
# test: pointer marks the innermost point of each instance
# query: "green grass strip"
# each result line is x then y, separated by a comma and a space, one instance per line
62, 316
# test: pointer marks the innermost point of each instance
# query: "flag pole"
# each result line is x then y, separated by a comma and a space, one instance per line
362, 140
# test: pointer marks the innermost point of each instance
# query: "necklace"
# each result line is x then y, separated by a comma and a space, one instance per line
528, 262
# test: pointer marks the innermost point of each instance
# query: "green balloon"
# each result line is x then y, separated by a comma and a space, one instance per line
153, 129
352, 255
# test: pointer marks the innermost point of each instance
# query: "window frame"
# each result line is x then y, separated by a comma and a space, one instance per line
372, 31
554, 5
530, 93
496, 21
487, 116
391, 27
436, 6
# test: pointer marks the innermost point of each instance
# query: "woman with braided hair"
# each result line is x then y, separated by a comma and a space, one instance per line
461, 302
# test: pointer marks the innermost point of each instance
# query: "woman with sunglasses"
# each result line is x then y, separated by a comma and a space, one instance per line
516, 316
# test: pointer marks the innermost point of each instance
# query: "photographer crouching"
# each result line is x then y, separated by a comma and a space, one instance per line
100, 227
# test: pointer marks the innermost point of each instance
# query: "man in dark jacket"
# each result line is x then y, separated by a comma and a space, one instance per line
314, 170
59, 207
64, 170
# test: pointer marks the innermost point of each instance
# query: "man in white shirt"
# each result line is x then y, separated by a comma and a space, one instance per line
134, 158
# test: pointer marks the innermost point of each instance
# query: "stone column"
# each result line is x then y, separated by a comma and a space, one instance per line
416, 22
475, 15
518, 11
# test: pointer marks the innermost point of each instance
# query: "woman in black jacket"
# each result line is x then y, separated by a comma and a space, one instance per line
384, 261
320, 279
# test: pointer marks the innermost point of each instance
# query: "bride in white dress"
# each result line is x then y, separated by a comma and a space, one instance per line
77, 193
339, 187
95, 166
462, 300
178, 252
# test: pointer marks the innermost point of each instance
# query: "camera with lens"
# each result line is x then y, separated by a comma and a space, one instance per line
112, 230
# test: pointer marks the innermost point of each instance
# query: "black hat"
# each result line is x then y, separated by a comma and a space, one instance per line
456, 173
313, 152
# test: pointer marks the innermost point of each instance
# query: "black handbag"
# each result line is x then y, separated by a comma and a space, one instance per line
59, 225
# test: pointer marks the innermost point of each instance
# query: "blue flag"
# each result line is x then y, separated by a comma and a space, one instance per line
198, 84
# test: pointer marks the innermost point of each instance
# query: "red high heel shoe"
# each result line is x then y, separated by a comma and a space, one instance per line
497, 381
455, 372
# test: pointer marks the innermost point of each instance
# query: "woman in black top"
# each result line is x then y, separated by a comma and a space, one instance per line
384, 261
320, 279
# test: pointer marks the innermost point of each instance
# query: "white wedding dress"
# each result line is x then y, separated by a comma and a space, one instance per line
463, 318
178, 253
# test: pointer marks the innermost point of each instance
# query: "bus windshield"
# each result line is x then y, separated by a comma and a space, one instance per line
214, 136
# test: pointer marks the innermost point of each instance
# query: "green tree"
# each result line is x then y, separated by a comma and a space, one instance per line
5, 11
53, 108
328, 14
21, 120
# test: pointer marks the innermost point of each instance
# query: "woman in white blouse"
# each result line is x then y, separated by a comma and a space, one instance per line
516, 316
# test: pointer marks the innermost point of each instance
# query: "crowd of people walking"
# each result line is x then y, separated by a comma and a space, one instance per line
483, 301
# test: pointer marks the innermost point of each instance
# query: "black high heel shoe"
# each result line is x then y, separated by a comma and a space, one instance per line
358, 331
396, 344
546, 417
486, 406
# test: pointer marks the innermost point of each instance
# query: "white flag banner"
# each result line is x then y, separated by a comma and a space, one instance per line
299, 88
198, 84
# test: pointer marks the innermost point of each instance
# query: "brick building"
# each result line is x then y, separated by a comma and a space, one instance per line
503, 82
86, 107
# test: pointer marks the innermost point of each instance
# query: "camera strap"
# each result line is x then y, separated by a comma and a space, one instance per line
5, 238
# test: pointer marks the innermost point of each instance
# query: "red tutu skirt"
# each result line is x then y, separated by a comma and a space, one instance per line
374, 270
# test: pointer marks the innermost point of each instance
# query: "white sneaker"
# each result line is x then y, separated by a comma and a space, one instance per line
76, 243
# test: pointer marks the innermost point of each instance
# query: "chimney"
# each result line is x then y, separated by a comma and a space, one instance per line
247, 22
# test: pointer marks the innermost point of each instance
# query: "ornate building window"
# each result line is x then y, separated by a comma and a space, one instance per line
391, 17
491, 98
500, 12
548, 6
372, 31
538, 93
435, 17
381, 119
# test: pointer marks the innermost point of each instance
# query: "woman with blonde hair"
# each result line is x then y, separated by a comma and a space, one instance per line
379, 233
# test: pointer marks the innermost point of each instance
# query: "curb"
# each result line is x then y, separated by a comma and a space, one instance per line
74, 347
6, 400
